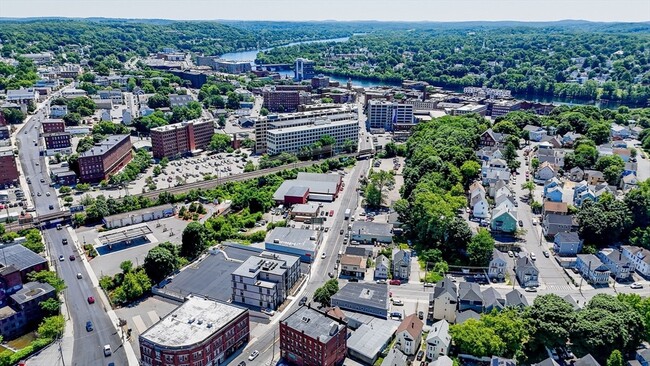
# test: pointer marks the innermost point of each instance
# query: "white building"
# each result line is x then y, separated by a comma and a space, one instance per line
382, 267
292, 139
389, 116
438, 340
138, 216
22, 95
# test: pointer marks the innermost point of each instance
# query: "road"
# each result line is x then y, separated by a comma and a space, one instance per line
87, 346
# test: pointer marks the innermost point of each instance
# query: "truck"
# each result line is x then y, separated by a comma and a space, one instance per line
347, 213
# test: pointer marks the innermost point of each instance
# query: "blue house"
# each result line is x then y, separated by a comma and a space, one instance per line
567, 244
554, 194
551, 183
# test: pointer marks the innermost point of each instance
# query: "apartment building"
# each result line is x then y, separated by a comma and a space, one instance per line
389, 116
22, 95
264, 281
304, 69
273, 121
53, 125
500, 108
181, 138
231, 67
105, 158
292, 139
8, 166
281, 100
57, 142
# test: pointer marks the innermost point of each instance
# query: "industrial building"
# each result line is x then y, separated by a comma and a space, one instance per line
322, 187
138, 216
200, 331
371, 232
181, 138
282, 100
57, 142
366, 298
105, 158
302, 243
368, 341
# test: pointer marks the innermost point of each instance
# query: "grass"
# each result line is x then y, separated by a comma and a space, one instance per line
4, 349
22, 341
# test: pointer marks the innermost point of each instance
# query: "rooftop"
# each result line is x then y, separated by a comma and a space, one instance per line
412, 325
559, 219
267, 262
291, 237
314, 324
365, 294
177, 126
31, 291
192, 322
369, 339
371, 228
19, 256
143, 211
105, 145
317, 124
353, 260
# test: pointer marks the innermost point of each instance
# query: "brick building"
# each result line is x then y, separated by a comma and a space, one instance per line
181, 138
276, 100
8, 166
201, 331
53, 125
309, 337
58, 142
105, 158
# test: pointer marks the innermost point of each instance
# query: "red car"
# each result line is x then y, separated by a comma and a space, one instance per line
91, 300
331, 212
395, 282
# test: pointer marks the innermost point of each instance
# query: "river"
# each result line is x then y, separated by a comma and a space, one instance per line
250, 56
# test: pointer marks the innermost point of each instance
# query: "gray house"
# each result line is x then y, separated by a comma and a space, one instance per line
515, 298
402, 264
492, 300
619, 265
498, 265
526, 272
470, 297
554, 223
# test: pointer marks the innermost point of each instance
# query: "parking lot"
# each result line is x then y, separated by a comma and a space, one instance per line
12, 203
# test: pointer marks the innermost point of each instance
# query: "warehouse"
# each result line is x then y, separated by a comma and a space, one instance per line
320, 187
304, 212
366, 298
139, 216
299, 242
372, 232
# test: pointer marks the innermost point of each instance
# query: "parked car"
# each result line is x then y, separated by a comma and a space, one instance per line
511, 254
64, 241
398, 302
269, 312
303, 301
381, 282
253, 355
395, 282
636, 286
421, 315
79, 275
530, 289
546, 253
532, 256
420, 354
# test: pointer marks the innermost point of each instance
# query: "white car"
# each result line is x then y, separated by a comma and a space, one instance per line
323, 255
398, 302
253, 355
636, 286
532, 256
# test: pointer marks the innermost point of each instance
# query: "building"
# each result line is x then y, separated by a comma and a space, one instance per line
558, 208
402, 264
640, 258
24, 312
294, 139
63, 176
105, 158
181, 138
322, 187
21, 260
490, 138
39, 58
371, 232
279, 100
395, 357
382, 267
526, 271
53, 125
498, 265
366, 298
470, 297
8, 166
502, 107
296, 196
444, 301
492, 300
438, 340
264, 281
232, 67
504, 219
196, 79
370, 340
179, 100
115, 96
5, 132
139, 216
408, 336
567, 244
480, 109
57, 142
353, 266
22, 95
200, 331
304, 69
619, 265
554, 223
297, 242
389, 116
320, 82
535, 133
592, 269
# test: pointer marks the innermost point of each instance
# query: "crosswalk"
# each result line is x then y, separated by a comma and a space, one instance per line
562, 288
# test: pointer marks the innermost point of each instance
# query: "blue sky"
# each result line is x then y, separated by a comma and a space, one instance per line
414, 10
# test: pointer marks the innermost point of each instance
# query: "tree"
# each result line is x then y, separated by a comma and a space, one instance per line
193, 241
126, 266
109, 128
13, 115
642, 306
50, 306
48, 277
220, 142
469, 170
327, 140
158, 101
2, 230
475, 338
530, 187
324, 293
603, 222
480, 248
615, 359
72, 119
552, 318
264, 112
82, 105
374, 197
534, 163
51, 327
157, 170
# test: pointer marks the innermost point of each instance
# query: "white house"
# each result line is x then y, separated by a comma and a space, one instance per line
382, 267
640, 258
535, 133
498, 266
438, 340
445, 300
409, 335
545, 172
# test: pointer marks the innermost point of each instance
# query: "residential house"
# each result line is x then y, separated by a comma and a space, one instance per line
570, 138
558, 208
498, 265
575, 303
462, 317
576, 174
395, 357
567, 244
554, 194
636, 131
402, 264
495, 180
642, 356
535, 133
619, 132
505, 200
409, 335
586, 360
545, 171
353, 266
624, 153
492, 300
619, 265
594, 177
628, 182
640, 258
382, 267
554, 223
491, 175
477, 201
629, 168
438, 340
445, 300
583, 192
443, 361
516, 299
470, 297
490, 138
552, 183
500, 361
504, 220
554, 141
592, 269
547, 362
526, 271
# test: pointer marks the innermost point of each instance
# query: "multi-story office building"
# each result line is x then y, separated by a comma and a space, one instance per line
181, 138
8, 166
304, 69
264, 281
502, 107
273, 121
484, 92
470, 109
53, 125
320, 81
105, 158
292, 139
389, 116
200, 331
57, 142
309, 337
232, 67
277, 100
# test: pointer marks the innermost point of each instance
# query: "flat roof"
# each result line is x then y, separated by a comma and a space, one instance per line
365, 294
167, 206
20, 257
317, 124
292, 237
177, 126
305, 208
272, 263
131, 233
372, 228
192, 322
105, 145
296, 191
315, 187
314, 324
30, 291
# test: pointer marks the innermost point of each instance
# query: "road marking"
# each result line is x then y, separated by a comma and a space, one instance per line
153, 316
139, 324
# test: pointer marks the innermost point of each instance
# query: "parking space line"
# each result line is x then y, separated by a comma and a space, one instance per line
139, 324
153, 316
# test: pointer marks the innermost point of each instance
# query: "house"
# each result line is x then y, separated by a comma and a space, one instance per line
382, 267
516, 299
401, 264
592, 269
477, 201
575, 303
498, 265
500, 361
547, 362
490, 138
642, 356
395, 357
576, 174
504, 220
554, 194
624, 153
629, 168
567, 244
353, 266
628, 182
492, 300
505, 200
558, 208
619, 265
535, 133
462, 317
445, 300
545, 171
554, 223
594, 177
582, 192
438, 340
640, 258
619, 132
586, 360
636, 131
443, 361
570, 138
470, 297
526, 271
409, 335
496, 180
552, 183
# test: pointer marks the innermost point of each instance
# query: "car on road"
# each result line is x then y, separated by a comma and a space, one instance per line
398, 302
421, 315
64, 241
79, 275
521, 223
42, 180
269, 312
530, 289
241, 363
546, 253
331, 212
396, 314
636, 286
107, 350
330, 274
38, 194
59, 227
51, 207
511, 254
532, 256
395, 282
47, 194
71, 257
381, 282
323, 255
61, 258
253, 355
91, 300
303, 301
89, 326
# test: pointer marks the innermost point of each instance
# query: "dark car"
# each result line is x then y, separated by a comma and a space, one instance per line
51, 207
420, 355
64, 241
91, 300
89, 326
241, 363
303, 301
72, 257
521, 223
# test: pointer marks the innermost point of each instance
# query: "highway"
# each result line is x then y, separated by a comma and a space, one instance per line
87, 348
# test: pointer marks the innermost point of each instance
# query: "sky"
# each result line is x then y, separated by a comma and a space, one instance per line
390, 10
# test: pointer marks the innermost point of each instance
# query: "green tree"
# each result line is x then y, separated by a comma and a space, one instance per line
72, 119
158, 101
220, 142
480, 248
477, 339
615, 359
603, 222
530, 187
327, 140
51, 327
193, 241
534, 163
13, 115
470, 170
50, 306
552, 318
374, 196
126, 266
48, 277
324, 293
159, 263
264, 112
